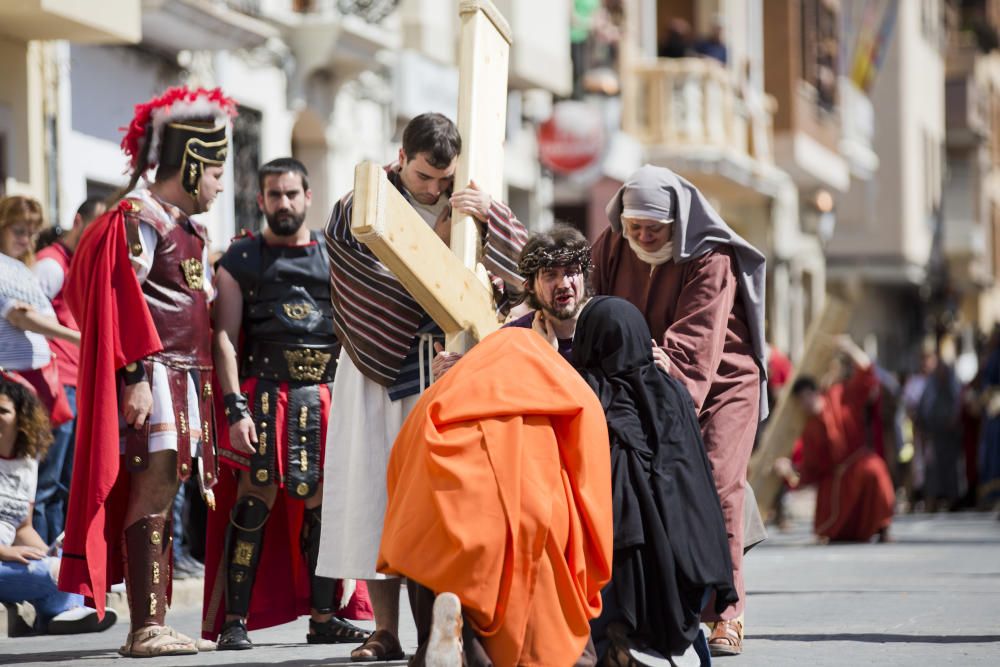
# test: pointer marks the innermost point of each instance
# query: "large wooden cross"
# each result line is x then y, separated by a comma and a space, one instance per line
787, 419
449, 284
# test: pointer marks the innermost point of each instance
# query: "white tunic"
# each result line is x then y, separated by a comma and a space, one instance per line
363, 426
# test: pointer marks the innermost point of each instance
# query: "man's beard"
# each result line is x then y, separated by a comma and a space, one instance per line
563, 312
285, 223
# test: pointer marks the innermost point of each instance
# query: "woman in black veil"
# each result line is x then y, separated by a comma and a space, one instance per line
670, 546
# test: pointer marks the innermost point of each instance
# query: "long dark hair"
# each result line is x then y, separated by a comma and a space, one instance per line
34, 433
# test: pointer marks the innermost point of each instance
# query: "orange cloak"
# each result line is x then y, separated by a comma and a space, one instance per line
500, 492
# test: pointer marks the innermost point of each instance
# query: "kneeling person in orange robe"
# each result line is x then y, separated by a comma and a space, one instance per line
855, 495
499, 491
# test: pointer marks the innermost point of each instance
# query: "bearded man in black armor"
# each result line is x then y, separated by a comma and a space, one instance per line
275, 354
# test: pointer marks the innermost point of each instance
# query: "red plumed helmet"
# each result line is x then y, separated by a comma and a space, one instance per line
175, 104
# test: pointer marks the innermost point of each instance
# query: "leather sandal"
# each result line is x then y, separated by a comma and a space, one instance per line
381, 646
335, 631
726, 638
154, 641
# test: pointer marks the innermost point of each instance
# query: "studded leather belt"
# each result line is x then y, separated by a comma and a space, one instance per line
290, 363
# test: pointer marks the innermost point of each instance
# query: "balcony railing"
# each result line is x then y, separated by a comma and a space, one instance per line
696, 103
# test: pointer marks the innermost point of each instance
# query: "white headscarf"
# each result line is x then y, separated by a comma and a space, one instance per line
655, 258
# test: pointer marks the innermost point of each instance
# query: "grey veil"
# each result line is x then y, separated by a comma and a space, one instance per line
653, 192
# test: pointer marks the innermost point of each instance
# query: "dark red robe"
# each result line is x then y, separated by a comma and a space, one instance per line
855, 498
107, 301
281, 590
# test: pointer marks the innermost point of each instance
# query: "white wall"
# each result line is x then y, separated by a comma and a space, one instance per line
922, 100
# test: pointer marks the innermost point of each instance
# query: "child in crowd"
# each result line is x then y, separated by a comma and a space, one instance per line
28, 571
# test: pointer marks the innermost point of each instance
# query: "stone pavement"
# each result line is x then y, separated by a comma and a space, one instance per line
932, 597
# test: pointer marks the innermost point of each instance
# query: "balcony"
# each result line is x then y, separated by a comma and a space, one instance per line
171, 26
105, 22
967, 99
691, 115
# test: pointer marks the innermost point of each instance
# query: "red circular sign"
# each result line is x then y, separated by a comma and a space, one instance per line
572, 139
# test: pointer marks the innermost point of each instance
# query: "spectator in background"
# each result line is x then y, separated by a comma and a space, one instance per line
26, 316
712, 46
989, 443
913, 390
27, 570
55, 470
677, 43
939, 420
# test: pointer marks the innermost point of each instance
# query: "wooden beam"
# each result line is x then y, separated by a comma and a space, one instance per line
787, 420
453, 295
484, 48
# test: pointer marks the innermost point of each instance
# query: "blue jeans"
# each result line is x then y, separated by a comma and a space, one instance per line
34, 583
178, 517
54, 473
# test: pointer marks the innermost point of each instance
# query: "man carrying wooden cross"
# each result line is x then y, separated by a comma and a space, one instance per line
382, 367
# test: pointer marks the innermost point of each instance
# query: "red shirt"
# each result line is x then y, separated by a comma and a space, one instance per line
67, 354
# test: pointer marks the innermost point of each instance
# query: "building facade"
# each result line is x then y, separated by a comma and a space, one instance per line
331, 82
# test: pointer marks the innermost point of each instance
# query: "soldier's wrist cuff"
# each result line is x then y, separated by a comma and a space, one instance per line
134, 373
236, 407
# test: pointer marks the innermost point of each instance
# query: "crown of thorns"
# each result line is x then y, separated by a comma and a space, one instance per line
544, 258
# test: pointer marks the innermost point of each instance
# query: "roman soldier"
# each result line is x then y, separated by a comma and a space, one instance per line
139, 286
275, 354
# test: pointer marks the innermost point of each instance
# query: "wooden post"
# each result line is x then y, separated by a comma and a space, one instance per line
484, 48
785, 424
483, 53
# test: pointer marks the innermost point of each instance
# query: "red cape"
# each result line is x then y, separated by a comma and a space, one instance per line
116, 327
281, 590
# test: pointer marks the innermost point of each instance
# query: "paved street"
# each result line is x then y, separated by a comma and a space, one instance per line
932, 598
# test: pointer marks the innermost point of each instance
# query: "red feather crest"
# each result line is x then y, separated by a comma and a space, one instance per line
174, 104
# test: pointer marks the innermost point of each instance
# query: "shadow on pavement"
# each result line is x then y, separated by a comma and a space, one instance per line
875, 638
838, 591
213, 658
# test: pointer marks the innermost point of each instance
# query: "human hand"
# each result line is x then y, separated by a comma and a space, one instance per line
660, 357
137, 403
783, 467
243, 436
472, 201
21, 554
541, 326
443, 229
443, 360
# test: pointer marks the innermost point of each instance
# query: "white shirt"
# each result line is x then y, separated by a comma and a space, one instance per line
429, 212
18, 480
21, 350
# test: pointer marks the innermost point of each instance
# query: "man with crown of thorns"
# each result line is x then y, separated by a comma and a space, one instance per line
140, 288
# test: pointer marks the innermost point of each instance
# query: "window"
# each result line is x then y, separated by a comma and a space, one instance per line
819, 38
246, 162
